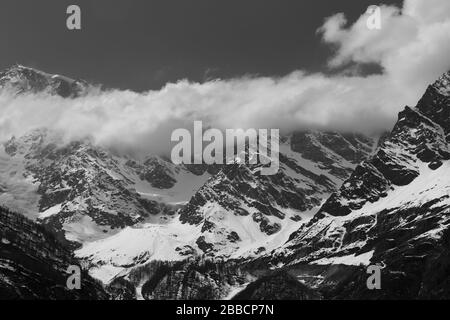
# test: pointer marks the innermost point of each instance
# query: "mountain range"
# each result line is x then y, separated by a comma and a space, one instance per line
150, 229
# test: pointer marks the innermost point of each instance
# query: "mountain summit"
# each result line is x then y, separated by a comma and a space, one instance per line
22, 79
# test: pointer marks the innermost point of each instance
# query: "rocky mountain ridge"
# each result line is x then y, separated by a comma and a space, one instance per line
393, 211
21, 79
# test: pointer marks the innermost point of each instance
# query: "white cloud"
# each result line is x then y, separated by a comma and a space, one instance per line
413, 48
359, 44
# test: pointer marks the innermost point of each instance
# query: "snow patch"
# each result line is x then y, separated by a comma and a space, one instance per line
351, 260
50, 211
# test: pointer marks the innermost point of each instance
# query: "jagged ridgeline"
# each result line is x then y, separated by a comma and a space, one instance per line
21, 79
33, 263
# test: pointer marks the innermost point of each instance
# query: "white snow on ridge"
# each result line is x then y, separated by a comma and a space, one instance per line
137, 245
105, 273
235, 290
430, 184
352, 260
50, 211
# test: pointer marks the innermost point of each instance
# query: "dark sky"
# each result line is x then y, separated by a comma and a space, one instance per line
142, 44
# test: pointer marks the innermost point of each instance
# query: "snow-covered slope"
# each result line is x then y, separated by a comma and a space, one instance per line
238, 213
243, 213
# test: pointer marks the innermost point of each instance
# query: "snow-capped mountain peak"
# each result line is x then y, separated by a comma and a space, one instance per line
22, 79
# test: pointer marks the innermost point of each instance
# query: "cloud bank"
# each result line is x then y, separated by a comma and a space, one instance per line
412, 48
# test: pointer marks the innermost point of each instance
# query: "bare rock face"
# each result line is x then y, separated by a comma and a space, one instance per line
155, 171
